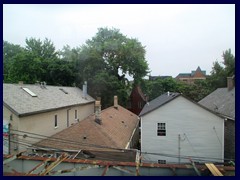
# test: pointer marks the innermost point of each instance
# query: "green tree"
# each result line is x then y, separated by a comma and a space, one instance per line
39, 61
229, 62
25, 67
9, 52
119, 53
106, 59
46, 52
219, 73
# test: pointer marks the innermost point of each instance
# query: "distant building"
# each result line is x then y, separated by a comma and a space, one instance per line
191, 77
152, 78
113, 127
175, 128
42, 109
137, 100
222, 101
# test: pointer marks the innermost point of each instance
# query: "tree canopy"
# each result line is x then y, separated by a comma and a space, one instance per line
107, 58
200, 88
104, 61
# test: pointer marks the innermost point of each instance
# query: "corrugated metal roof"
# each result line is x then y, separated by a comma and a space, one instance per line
157, 102
221, 101
46, 99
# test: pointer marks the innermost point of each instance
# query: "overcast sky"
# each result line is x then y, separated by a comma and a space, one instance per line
178, 38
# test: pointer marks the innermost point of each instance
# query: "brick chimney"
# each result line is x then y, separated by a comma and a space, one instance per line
115, 102
98, 112
230, 83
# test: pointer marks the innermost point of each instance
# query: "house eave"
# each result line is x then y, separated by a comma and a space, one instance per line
45, 110
140, 115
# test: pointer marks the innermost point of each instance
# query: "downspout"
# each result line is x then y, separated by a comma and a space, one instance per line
9, 141
179, 148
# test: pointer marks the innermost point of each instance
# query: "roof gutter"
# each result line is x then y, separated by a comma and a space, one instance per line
45, 110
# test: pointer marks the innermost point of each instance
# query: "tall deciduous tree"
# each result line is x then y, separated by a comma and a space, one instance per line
219, 73
9, 52
108, 57
119, 53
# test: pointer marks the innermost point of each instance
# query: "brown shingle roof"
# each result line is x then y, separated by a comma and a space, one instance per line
115, 131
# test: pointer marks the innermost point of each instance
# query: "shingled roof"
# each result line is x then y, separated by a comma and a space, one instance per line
192, 74
157, 102
115, 131
36, 99
167, 97
221, 101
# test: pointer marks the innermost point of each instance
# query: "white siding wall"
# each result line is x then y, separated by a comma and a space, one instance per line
195, 126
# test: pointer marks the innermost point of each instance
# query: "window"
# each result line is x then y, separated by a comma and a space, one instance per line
75, 114
161, 161
29, 92
161, 129
55, 122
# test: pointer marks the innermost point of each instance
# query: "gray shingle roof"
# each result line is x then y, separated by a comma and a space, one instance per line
49, 98
221, 101
157, 102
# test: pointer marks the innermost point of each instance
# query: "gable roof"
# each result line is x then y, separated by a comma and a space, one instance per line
115, 131
43, 99
157, 102
192, 74
167, 97
137, 90
221, 101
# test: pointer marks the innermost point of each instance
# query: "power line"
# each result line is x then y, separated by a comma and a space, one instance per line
66, 141
98, 146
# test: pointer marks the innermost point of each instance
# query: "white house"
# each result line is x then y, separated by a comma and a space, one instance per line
41, 109
174, 129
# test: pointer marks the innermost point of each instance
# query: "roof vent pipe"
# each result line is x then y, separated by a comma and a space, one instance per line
168, 93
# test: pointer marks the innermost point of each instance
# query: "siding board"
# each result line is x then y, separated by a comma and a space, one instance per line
193, 123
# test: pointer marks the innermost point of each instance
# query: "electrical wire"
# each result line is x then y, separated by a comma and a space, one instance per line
217, 135
66, 141
98, 146
190, 144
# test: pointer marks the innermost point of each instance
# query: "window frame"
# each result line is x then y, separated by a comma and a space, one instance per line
55, 121
161, 129
76, 115
161, 161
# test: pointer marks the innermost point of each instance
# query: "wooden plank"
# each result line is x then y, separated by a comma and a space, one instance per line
53, 165
214, 170
38, 166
